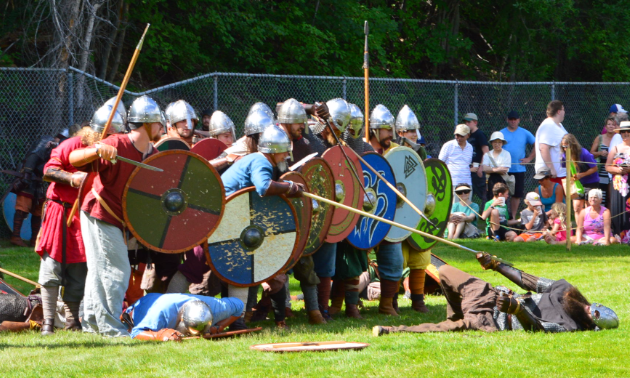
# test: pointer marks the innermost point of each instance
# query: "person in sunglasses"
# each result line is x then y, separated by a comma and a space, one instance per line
461, 223
618, 165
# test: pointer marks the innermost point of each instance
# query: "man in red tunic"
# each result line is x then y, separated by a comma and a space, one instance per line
102, 222
61, 246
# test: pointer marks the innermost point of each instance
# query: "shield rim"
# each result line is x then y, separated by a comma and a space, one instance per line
281, 270
359, 170
395, 196
299, 250
328, 221
421, 208
192, 149
168, 139
412, 242
133, 175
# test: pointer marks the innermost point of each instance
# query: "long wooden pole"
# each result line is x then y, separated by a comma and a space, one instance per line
567, 189
121, 92
366, 73
19, 277
392, 223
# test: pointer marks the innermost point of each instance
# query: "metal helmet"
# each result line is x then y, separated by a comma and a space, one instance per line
274, 141
340, 112
257, 122
181, 111
220, 123
604, 317
145, 110
120, 108
100, 117
356, 121
382, 118
193, 317
291, 111
407, 120
167, 113
261, 106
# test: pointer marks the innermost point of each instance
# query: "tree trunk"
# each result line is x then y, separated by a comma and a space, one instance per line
67, 49
110, 41
119, 44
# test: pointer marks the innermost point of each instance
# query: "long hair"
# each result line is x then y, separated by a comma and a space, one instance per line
561, 209
89, 136
573, 303
574, 145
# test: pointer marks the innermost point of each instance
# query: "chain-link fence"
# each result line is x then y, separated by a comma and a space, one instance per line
36, 102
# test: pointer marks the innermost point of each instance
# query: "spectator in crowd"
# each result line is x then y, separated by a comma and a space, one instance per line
550, 192
479, 143
593, 223
585, 168
599, 149
461, 223
548, 137
616, 109
496, 215
558, 221
457, 155
517, 140
618, 165
497, 162
533, 218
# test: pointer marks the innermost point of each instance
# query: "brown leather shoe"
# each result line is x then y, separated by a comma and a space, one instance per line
48, 327
282, 325
352, 311
16, 240
315, 317
417, 303
335, 305
288, 313
260, 314
74, 325
385, 307
381, 330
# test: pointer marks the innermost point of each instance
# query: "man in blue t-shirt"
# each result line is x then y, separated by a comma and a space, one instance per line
155, 315
517, 140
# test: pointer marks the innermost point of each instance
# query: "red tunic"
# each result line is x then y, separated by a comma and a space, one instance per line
111, 180
52, 224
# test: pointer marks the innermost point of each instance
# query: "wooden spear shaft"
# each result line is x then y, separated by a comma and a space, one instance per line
567, 189
19, 277
121, 92
366, 73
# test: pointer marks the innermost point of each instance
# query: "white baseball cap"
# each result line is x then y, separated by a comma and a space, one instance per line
533, 198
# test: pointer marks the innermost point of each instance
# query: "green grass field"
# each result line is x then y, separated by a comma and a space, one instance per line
599, 272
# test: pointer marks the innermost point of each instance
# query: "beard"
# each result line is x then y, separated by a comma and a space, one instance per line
331, 139
282, 166
385, 143
573, 304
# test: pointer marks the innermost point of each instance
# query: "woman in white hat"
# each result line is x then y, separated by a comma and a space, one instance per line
497, 162
618, 164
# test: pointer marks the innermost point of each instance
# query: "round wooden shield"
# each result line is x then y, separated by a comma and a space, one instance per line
367, 233
304, 210
319, 177
309, 346
411, 181
347, 191
209, 148
171, 143
255, 240
437, 206
175, 210
8, 209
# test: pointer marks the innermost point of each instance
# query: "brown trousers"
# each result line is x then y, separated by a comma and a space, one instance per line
470, 304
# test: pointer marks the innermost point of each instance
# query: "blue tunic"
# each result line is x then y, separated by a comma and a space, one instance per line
158, 311
251, 170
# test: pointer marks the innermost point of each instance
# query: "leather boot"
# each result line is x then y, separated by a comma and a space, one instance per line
352, 311
388, 291
315, 317
335, 305
248, 316
18, 219
48, 327
288, 313
282, 325
417, 303
336, 297
381, 330
262, 310
323, 296
395, 304
36, 223
73, 325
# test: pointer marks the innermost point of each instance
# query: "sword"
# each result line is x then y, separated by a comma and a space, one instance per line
138, 164
302, 162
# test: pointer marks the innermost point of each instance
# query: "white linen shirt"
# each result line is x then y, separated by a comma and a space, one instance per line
458, 161
503, 160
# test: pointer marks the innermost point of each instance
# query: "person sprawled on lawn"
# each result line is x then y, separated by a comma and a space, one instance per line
533, 218
169, 317
497, 216
474, 304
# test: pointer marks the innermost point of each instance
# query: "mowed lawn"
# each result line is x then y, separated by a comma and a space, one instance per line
601, 273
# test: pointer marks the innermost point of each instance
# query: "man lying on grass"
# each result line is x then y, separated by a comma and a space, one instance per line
473, 304
169, 317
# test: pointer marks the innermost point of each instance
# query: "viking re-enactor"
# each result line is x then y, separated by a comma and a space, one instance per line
473, 304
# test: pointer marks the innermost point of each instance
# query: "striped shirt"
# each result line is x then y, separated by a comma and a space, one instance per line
458, 161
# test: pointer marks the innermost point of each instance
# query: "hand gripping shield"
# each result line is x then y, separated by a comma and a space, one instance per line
255, 240
175, 210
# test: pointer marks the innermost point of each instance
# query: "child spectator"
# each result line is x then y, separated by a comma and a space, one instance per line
533, 218
496, 214
557, 220
463, 215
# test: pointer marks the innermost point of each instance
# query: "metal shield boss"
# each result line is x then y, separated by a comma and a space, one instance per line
255, 240
304, 210
175, 210
368, 232
347, 191
319, 178
8, 209
171, 143
437, 206
209, 148
411, 181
